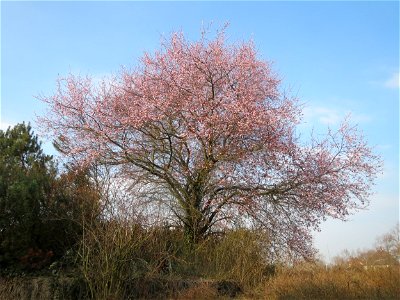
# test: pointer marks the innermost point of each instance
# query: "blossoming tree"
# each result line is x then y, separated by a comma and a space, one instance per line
206, 123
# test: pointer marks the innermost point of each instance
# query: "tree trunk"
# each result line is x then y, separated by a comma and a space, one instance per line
195, 227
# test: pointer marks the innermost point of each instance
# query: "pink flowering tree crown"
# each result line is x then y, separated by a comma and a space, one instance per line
205, 124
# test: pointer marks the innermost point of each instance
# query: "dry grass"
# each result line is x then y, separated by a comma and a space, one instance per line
118, 256
300, 282
199, 291
121, 260
108, 258
20, 288
237, 257
335, 283
42, 288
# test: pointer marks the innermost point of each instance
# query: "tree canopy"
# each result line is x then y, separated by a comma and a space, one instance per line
205, 126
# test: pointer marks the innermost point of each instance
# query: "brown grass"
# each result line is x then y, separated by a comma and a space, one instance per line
123, 260
202, 290
335, 283
20, 288
237, 257
42, 288
300, 282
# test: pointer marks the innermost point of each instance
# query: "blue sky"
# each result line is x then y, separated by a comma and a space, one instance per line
336, 57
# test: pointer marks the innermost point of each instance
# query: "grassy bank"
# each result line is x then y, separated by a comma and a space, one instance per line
298, 282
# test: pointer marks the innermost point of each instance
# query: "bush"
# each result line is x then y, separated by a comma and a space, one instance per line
116, 255
25, 180
239, 256
41, 211
107, 258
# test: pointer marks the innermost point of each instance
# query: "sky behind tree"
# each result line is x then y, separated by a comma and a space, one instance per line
337, 58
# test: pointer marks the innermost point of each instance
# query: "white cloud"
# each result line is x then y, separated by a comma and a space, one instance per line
331, 116
393, 82
384, 147
324, 115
